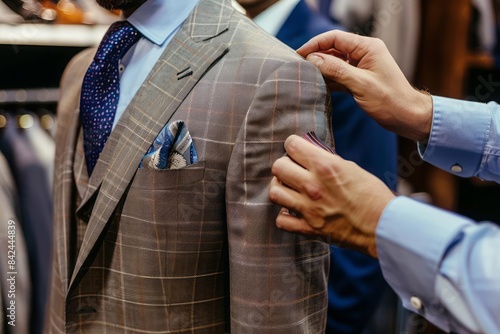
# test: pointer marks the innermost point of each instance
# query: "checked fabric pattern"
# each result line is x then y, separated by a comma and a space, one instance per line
101, 89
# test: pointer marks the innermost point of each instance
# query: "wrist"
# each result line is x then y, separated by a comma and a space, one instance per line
422, 116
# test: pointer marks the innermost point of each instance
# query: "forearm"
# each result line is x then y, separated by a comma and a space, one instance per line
442, 261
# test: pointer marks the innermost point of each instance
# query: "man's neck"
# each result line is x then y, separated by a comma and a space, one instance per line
253, 10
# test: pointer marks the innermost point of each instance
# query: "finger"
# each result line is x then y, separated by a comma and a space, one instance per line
344, 42
334, 86
286, 197
307, 154
290, 173
290, 223
336, 69
335, 53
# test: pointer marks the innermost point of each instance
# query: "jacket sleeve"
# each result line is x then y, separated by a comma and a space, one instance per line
278, 280
465, 138
443, 266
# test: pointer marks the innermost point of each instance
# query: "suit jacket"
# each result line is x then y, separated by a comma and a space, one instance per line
355, 283
151, 251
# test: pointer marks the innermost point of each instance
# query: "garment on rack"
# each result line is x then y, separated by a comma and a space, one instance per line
3, 329
95, 13
486, 25
31, 11
44, 147
9, 212
396, 22
36, 214
352, 14
8, 16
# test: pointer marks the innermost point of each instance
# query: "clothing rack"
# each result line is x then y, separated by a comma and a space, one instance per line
19, 102
53, 35
26, 120
37, 95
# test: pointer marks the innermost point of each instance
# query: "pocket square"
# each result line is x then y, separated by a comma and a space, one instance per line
313, 138
173, 148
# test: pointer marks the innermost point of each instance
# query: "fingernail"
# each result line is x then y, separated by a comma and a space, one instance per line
315, 59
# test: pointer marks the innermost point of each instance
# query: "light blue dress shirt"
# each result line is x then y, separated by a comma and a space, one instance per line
444, 266
158, 21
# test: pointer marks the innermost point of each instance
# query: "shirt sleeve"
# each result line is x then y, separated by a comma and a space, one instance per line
465, 138
443, 266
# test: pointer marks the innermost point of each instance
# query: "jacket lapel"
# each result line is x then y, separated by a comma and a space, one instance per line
186, 59
79, 166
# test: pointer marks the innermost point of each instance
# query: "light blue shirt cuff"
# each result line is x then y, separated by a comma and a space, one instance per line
458, 136
412, 239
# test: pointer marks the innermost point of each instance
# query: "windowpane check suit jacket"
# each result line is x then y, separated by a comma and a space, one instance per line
192, 250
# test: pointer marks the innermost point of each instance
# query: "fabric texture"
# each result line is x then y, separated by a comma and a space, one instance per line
193, 249
447, 261
101, 89
355, 282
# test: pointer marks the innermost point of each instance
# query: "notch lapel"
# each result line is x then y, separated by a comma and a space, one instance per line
150, 109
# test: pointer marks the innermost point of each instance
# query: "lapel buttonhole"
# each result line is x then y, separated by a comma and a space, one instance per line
184, 73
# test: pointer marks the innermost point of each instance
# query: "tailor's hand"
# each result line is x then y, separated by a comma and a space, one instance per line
364, 67
333, 197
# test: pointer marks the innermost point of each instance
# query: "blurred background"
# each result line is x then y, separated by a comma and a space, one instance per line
449, 48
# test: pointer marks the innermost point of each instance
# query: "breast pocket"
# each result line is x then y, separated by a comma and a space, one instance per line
172, 235
179, 209
147, 178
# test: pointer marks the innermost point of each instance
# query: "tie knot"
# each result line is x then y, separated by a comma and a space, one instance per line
119, 38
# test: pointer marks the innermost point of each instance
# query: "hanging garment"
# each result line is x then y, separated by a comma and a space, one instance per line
44, 147
7, 15
13, 248
486, 26
36, 214
96, 14
396, 22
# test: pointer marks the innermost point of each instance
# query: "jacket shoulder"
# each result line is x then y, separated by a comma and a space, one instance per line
77, 67
71, 81
250, 39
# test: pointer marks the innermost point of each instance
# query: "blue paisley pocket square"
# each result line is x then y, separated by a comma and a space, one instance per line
173, 148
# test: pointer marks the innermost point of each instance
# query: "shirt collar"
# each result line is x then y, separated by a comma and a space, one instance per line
158, 19
273, 18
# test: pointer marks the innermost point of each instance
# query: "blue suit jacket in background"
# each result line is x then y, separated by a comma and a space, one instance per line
356, 282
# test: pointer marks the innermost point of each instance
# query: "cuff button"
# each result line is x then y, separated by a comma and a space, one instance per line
456, 168
416, 303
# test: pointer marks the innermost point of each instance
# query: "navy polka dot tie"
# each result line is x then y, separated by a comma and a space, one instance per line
101, 89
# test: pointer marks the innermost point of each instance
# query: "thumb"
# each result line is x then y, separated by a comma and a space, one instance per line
334, 68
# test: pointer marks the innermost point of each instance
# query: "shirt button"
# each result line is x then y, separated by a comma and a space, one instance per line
416, 303
121, 68
456, 168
